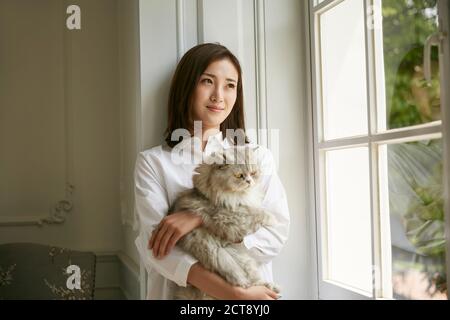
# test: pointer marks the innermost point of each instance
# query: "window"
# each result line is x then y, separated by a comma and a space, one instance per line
378, 70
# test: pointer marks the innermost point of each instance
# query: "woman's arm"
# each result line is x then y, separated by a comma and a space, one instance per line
151, 205
213, 285
267, 242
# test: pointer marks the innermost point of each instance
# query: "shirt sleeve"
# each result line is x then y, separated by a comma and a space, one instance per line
267, 242
151, 205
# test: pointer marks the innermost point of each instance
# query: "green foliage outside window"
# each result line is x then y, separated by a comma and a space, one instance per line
406, 26
410, 100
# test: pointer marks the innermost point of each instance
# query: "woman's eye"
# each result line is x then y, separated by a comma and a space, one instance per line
209, 81
231, 86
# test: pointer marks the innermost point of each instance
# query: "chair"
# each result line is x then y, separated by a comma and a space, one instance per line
35, 271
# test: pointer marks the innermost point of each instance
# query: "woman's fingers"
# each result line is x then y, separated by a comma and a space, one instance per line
172, 242
272, 294
157, 242
155, 231
151, 242
164, 241
170, 230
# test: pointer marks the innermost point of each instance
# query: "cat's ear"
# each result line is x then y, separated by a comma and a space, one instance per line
225, 159
216, 158
254, 149
251, 154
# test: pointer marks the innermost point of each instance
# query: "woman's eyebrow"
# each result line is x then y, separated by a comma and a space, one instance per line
213, 76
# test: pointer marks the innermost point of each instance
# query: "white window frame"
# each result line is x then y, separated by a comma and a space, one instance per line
381, 242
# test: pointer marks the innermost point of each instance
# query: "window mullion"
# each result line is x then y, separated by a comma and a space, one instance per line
373, 165
317, 156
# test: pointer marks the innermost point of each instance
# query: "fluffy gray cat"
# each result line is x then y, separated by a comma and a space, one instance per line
227, 196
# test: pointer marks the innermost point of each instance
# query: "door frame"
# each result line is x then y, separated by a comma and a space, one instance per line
444, 61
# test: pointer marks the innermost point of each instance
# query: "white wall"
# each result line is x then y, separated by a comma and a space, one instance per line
268, 37
287, 110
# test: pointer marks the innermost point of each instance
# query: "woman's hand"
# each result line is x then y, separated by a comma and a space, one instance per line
255, 293
215, 286
171, 229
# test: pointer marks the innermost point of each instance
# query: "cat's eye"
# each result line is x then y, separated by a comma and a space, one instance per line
253, 173
239, 175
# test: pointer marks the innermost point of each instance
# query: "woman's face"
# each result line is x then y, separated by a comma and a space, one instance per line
215, 94
426, 98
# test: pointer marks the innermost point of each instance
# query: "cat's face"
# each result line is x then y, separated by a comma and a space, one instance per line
235, 177
233, 171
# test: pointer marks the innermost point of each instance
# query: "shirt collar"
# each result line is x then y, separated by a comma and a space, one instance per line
215, 143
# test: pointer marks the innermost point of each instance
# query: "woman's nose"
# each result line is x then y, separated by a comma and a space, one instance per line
217, 95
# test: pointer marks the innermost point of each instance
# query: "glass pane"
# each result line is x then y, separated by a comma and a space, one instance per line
348, 218
410, 100
417, 220
343, 70
317, 2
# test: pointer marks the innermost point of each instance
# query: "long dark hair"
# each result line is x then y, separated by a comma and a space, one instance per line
185, 79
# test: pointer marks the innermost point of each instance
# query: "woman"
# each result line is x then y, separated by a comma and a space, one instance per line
414, 101
206, 89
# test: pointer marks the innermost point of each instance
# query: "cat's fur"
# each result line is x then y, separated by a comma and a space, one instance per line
229, 201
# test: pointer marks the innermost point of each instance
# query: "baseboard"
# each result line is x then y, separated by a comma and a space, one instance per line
116, 277
129, 277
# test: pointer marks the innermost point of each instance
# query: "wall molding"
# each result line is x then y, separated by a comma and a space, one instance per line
260, 68
309, 155
200, 22
58, 212
57, 216
180, 29
117, 277
131, 140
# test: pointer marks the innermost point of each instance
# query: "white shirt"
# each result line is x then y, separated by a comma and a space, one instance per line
159, 179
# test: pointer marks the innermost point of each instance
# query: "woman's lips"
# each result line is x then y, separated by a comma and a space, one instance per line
215, 109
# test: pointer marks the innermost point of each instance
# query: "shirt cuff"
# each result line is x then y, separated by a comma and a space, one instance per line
182, 271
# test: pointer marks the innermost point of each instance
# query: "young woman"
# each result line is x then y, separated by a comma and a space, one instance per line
207, 89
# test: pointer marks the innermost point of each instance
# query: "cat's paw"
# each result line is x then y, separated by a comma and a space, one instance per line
269, 220
273, 287
268, 285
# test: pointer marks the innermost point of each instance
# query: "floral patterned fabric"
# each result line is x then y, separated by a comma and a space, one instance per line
34, 271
